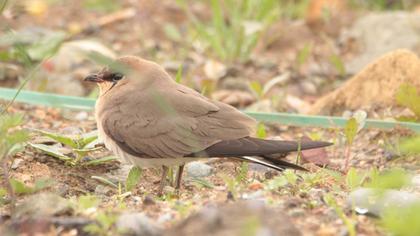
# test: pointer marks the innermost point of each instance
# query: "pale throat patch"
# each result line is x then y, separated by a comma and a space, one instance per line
104, 87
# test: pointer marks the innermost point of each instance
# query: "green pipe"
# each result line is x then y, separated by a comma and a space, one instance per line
81, 103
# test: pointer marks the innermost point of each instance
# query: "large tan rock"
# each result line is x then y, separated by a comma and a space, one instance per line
375, 86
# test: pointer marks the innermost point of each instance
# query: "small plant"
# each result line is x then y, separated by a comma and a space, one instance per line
350, 223
350, 132
410, 145
409, 97
353, 126
12, 140
133, 178
104, 226
21, 188
81, 146
102, 5
303, 55
235, 26
394, 178
124, 189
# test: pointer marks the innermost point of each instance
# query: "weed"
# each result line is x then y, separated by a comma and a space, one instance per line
104, 226
101, 5
410, 145
133, 178
21, 188
349, 222
12, 140
235, 26
350, 132
409, 97
81, 146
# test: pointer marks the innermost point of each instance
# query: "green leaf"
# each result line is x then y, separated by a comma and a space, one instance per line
172, 32
178, 76
277, 182
43, 183
257, 88
106, 220
354, 179
133, 178
350, 130
51, 151
100, 161
88, 138
391, 179
3, 192
9, 121
60, 138
303, 54
84, 151
202, 182
87, 201
261, 133
104, 181
290, 176
18, 136
338, 64
19, 187
408, 96
46, 47
410, 145
102, 5
242, 176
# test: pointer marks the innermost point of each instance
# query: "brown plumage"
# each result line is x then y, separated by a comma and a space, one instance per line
149, 120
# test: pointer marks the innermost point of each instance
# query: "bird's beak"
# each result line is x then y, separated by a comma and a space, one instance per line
94, 78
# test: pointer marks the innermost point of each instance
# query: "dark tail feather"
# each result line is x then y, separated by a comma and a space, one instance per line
258, 147
275, 164
245, 148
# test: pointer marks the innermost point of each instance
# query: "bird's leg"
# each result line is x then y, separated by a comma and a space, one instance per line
162, 184
179, 177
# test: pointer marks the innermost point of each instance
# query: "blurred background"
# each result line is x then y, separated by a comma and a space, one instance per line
264, 55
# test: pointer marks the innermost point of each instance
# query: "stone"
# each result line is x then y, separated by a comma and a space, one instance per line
234, 98
214, 70
233, 219
374, 87
120, 174
369, 201
198, 169
381, 32
135, 223
16, 163
42, 205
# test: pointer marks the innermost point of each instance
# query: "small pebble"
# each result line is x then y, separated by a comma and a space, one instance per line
16, 163
198, 170
81, 116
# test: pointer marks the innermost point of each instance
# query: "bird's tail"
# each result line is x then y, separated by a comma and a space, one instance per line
260, 150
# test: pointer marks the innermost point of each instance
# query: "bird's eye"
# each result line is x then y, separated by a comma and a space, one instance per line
116, 76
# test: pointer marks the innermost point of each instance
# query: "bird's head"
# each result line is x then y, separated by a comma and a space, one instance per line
127, 70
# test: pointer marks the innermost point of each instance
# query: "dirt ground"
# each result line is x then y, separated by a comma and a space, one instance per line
144, 34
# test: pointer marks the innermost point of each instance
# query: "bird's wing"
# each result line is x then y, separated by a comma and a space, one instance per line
175, 122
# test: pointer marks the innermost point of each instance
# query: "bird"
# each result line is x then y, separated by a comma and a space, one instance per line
149, 120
